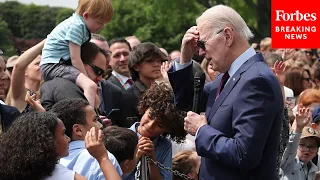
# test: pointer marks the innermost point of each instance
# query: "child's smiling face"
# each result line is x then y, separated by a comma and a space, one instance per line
150, 127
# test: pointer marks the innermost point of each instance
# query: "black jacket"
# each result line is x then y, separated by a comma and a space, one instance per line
7, 115
130, 102
112, 79
111, 98
58, 89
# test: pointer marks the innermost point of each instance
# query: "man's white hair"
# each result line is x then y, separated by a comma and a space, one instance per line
221, 16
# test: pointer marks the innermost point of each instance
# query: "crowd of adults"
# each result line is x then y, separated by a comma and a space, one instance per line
259, 117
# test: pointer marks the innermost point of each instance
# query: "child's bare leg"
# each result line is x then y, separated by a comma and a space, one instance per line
89, 88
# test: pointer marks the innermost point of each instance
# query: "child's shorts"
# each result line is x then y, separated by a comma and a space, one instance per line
62, 70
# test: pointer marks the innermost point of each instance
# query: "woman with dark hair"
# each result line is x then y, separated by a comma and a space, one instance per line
160, 120
297, 79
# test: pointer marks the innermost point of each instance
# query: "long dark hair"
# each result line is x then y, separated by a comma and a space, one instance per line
159, 99
28, 148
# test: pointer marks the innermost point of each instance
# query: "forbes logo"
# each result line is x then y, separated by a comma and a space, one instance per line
296, 16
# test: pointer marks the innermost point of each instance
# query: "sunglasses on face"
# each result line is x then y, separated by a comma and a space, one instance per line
304, 147
98, 71
202, 44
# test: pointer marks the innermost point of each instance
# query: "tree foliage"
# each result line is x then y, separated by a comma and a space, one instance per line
63, 14
11, 13
256, 13
28, 22
163, 22
5, 39
37, 21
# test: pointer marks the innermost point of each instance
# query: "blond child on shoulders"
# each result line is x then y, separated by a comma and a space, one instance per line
62, 49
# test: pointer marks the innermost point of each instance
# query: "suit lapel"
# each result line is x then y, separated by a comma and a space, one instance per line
230, 85
223, 95
115, 81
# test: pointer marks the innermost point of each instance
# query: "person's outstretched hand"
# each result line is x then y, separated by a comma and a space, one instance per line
279, 69
164, 70
303, 117
94, 144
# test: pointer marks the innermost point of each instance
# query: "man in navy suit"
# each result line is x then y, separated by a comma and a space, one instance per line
238, 137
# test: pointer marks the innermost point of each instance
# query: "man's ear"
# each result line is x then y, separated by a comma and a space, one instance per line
229, 35
77, 130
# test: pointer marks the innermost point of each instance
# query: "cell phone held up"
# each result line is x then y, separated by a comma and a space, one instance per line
31, 94
113, 114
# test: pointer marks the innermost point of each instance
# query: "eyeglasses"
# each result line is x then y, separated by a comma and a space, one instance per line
202, 44
98, 71
304, 147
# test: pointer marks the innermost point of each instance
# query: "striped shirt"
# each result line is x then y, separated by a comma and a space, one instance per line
56, 46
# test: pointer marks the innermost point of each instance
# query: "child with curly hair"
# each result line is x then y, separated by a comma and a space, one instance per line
32, 146
160, 120
145, 61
